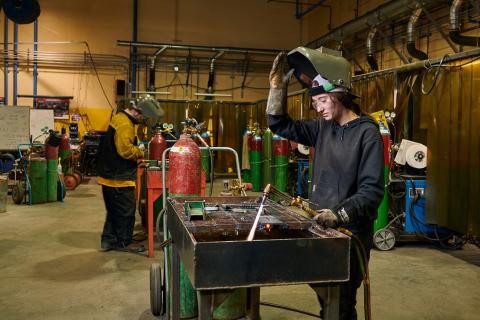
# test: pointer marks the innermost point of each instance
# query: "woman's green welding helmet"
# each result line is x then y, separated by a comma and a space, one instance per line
321, 71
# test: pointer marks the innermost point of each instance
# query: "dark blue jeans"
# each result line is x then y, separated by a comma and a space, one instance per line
348, 290
120, 220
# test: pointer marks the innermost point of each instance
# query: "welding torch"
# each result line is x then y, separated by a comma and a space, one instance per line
260, 209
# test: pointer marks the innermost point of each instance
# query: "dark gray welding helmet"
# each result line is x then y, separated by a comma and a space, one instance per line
149, 108
321, 71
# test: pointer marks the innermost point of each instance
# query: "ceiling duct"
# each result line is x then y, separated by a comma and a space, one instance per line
384, 13
412, 50
455, 26
372, 61
211, 77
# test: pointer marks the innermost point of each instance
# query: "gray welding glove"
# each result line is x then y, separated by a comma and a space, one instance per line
332, 218
326, 218
279, 78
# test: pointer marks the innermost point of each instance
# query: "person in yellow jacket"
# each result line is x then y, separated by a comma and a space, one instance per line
117, 169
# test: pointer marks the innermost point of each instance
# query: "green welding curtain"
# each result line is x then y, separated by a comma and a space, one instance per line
452, 114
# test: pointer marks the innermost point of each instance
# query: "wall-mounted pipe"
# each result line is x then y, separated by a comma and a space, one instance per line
372, 61
5, 60
35, 52
411, 48
455, 26
15, 63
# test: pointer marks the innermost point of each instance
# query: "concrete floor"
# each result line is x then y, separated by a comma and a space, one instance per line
50, 268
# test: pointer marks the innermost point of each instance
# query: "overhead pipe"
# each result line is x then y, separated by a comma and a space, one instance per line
15, 62
370, 50
5, 60
411, 48
197, 48
382, 13
455, 26
35, 51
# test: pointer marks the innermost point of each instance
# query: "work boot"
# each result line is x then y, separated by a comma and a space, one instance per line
132, 247
106, 246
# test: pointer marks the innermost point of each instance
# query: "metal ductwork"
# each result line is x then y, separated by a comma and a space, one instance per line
372, 61
386, 12
211, 76
152, 68
455, 26
411, 48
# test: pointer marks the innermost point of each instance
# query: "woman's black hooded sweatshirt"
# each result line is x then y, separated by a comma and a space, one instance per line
348, 167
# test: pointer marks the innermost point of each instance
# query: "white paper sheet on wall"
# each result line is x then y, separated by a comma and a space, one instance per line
40, 119
14, 127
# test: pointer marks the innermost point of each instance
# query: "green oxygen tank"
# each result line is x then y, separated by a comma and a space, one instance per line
256, 161
37, 174
280, 162
246, 145
52, 180
205, 155
382, 217
267, 157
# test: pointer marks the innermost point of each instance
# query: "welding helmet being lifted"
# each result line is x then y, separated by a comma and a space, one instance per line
321, 71
149, 108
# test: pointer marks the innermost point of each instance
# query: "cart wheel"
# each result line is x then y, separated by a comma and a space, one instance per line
70, 182
157, 294
78, 176
384, 239
18, 192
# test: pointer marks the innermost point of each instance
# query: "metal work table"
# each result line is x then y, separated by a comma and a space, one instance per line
287, 249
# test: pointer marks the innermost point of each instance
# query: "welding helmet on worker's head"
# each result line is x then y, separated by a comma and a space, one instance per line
321, 71
150, 110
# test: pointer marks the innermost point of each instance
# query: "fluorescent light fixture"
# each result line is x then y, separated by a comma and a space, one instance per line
152, 92
213, 94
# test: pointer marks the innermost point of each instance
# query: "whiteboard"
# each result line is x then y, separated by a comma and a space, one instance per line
39, 119
14, 126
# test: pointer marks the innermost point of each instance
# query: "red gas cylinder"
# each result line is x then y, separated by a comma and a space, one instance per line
64, 143
386, 148
158, 144
185, 168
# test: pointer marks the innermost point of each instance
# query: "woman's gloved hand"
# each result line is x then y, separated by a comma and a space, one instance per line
326, 218
279, 78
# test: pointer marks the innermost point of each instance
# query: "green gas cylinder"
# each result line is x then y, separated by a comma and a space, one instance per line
256, 161
37, 174
267, 157
280, 162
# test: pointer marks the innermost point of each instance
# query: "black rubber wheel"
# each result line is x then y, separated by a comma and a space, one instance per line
18, 192
157, 296
384, 239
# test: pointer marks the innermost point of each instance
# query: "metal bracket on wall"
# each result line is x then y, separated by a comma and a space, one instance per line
298, 12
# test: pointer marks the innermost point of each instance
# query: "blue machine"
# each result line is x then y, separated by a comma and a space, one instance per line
415, 220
